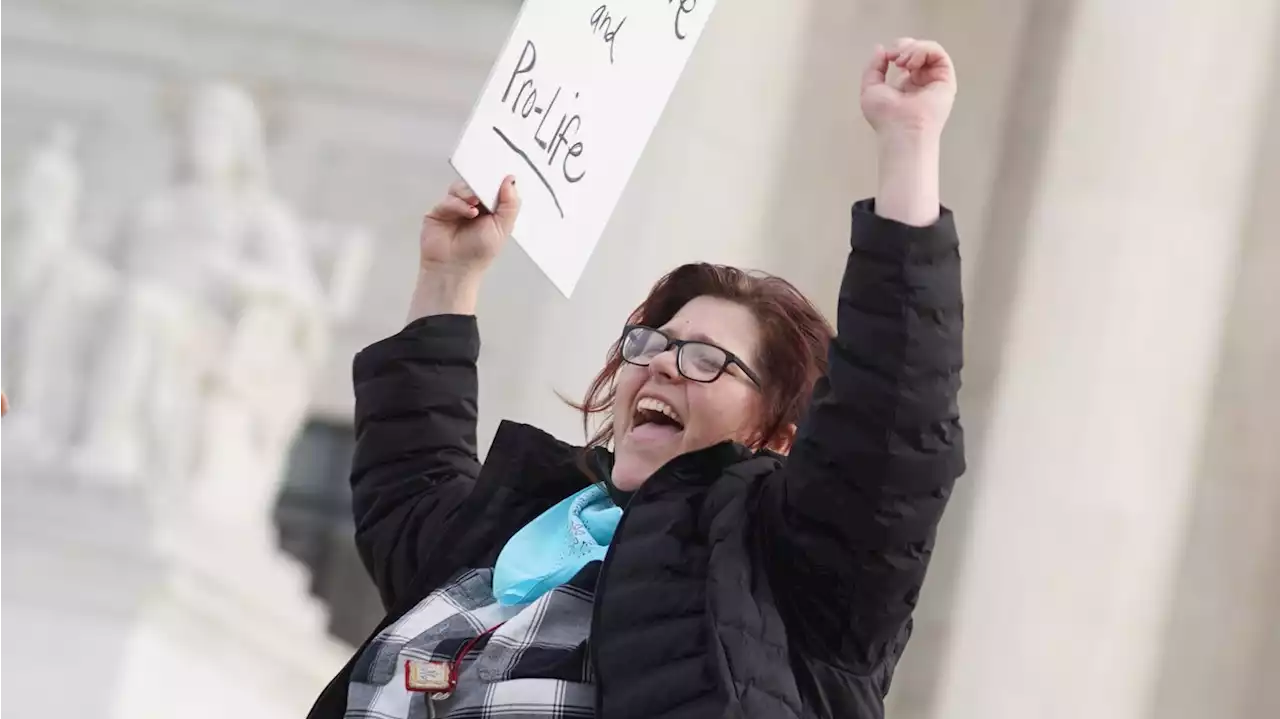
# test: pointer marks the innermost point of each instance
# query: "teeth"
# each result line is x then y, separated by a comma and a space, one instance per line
657, 405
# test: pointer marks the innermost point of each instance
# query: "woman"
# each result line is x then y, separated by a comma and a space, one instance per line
695, 571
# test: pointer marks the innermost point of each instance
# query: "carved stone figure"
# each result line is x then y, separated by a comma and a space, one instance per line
198, 258
48, 202
53, 286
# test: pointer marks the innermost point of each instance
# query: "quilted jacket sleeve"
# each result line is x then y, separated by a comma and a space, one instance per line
850, 522
415, 456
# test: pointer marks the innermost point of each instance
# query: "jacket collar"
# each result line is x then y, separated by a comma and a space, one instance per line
528, 459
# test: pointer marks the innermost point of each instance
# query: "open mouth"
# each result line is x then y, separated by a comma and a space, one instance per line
655, 416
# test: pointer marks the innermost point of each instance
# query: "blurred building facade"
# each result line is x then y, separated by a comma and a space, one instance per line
1113, 550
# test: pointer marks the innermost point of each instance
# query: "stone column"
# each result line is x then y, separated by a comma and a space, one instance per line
1086, 469
1222, 647
1256, 405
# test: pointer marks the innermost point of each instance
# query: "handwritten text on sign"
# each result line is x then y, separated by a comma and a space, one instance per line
567, 109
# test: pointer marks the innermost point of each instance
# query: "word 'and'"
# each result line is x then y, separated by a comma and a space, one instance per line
564, 136
608, 25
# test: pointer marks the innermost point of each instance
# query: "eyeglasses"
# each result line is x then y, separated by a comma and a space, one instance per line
696, 361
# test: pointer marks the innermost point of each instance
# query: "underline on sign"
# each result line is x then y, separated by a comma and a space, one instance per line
533, 167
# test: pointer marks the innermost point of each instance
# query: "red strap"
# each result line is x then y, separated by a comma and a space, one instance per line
455, 666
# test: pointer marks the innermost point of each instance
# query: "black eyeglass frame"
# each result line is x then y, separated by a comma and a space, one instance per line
679, 345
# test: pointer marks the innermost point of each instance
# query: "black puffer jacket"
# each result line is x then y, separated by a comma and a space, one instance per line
737, 584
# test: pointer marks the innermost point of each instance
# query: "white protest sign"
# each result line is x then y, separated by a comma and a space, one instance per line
567, 110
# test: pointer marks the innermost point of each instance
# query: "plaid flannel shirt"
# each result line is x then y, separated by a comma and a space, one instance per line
534, 666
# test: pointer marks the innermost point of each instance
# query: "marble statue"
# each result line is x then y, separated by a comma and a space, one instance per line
48, 201
258, 400
219, 326
52, 288
185, 366
229, 308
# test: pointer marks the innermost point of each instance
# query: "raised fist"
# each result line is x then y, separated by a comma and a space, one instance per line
919, 99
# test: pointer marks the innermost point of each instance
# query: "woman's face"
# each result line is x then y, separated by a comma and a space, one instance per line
698, 414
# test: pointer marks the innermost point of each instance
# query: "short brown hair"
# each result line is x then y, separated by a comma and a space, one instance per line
793, 349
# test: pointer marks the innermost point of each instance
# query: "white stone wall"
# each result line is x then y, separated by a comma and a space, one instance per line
1103, 417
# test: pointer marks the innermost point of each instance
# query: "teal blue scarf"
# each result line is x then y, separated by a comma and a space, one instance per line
551, 549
